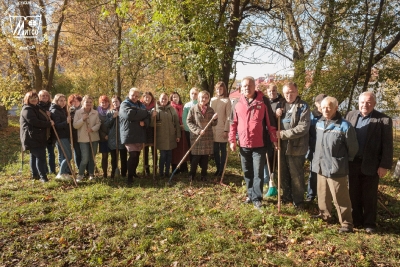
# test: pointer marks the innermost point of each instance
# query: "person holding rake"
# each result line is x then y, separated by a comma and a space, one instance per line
87, 122
114, 139
198, 117
58, 113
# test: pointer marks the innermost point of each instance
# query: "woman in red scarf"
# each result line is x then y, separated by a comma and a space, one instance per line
182, 148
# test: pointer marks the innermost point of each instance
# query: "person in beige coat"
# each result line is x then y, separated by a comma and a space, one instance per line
222, 106
168, 132
87, 122
198, 117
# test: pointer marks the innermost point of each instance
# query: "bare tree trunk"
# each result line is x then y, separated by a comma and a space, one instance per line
359, 64
372, 49
118, 67
233, 31
56, 38
327, 31
292, 32
33, 57
45, 48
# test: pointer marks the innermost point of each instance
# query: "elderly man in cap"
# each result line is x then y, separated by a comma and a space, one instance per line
337, 146
316, 114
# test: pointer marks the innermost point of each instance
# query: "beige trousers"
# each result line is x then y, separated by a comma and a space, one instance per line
336, 190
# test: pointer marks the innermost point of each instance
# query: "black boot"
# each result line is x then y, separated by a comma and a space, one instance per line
147, 170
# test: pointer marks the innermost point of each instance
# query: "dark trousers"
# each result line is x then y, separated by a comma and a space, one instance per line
123, 156
312, 185
38, 163
182, 168
133, 162
104, 163
219, 155
363, 195
146, 156
253, 160
196, 159
187, 133
165, 162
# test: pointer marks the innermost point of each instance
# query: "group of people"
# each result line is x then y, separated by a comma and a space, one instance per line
123, 129
347, 156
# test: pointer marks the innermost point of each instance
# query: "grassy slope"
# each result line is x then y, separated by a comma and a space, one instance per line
105, 223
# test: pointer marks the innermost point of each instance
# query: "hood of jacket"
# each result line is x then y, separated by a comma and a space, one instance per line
55, 107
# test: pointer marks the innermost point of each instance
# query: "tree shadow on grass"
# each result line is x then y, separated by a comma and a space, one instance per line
181, 179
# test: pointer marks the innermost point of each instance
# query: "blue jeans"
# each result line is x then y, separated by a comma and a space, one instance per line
87, 157
37, 162
67, 149
51, 158
253, 160
292, 175
220, 155
165, 160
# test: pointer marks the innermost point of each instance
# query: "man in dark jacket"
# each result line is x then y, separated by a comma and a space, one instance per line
315, 116
373, 160
294, 116
273, 96
251, 116
337, 145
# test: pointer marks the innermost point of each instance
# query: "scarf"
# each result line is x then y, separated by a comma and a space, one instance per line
179, 110
203, 109
102, 111
149, 106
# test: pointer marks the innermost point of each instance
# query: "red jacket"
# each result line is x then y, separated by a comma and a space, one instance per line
251, 121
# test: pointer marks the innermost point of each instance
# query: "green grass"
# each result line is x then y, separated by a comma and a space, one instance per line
106, 223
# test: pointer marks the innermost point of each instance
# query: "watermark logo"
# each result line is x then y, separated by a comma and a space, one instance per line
26, 29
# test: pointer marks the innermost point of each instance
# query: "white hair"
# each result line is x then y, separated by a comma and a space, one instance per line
368, 93
330, 99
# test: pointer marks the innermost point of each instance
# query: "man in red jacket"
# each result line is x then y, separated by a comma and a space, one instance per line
252, 116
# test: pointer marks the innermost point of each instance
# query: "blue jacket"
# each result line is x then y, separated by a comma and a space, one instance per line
186, 109
315, 116
336, 145
131, 114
